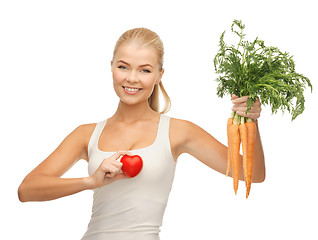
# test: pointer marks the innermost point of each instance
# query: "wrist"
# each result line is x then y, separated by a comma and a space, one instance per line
88, 183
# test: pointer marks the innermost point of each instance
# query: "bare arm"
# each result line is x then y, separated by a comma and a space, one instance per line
44, 182
200, 144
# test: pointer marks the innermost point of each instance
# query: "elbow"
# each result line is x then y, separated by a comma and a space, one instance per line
263, 176
21, 193
260, 178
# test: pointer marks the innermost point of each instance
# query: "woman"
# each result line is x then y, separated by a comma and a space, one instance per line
132, 208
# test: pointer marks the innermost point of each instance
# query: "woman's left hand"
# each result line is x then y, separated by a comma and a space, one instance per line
240, 107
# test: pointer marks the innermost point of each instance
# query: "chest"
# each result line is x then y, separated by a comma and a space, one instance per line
116, 137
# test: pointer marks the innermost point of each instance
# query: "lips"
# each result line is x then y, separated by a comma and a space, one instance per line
131, 90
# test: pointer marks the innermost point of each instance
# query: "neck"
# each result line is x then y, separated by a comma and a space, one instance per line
132, 113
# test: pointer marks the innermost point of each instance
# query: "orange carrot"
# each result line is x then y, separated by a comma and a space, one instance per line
243, 135
235, 153
229, 123
251, 130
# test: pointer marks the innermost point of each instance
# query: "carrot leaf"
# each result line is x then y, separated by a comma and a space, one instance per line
255, 70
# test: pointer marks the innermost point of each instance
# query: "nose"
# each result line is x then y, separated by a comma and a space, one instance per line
132, 77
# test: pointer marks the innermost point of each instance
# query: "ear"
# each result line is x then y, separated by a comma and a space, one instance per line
111, 65
160, 76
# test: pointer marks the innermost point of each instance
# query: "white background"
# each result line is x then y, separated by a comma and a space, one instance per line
55, 75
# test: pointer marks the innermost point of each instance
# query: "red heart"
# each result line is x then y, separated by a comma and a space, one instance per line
132, 165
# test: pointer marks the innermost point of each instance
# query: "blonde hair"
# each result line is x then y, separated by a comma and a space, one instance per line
148, 38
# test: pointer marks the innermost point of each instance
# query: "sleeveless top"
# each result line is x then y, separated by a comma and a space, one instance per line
132, 209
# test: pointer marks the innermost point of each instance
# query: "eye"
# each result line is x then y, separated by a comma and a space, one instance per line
146, 71
122, 67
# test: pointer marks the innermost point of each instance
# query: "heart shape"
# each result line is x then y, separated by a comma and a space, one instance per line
132, 165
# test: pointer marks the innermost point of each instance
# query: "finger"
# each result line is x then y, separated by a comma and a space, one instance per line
128, 153
240, 100
243, 100
255, 109
249, 115
234, 96
110, 170
110, 175
121, 176
253, 116
256, 104
119, 154
109, 165
118, 164
237, 105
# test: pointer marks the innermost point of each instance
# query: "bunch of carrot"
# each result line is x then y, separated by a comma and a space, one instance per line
240, 130
250, 68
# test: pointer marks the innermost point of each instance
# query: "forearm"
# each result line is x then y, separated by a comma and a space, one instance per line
44, 188
259, 160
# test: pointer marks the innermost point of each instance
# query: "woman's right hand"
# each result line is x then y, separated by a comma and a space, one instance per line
108, 171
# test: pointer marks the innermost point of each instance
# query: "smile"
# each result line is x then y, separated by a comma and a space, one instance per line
131, 90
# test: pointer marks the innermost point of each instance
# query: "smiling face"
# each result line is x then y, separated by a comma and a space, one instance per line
136, 70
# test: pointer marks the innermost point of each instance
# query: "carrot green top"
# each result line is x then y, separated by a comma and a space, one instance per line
254, 70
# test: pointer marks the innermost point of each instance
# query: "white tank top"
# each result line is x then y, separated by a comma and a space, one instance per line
132, 209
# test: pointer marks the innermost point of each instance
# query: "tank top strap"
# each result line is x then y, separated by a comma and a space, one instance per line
163, 146
95, 136
163, 128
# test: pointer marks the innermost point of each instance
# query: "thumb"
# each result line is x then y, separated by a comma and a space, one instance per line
120, 176
234, 96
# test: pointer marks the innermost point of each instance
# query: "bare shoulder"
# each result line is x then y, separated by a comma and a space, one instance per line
69, 151
75, 144
179, 125
86, 129
179, 134
184, 130
187, 137
83, 133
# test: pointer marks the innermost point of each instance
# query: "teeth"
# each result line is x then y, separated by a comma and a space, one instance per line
132, 89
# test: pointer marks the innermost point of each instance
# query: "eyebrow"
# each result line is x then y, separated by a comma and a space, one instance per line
144, 65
